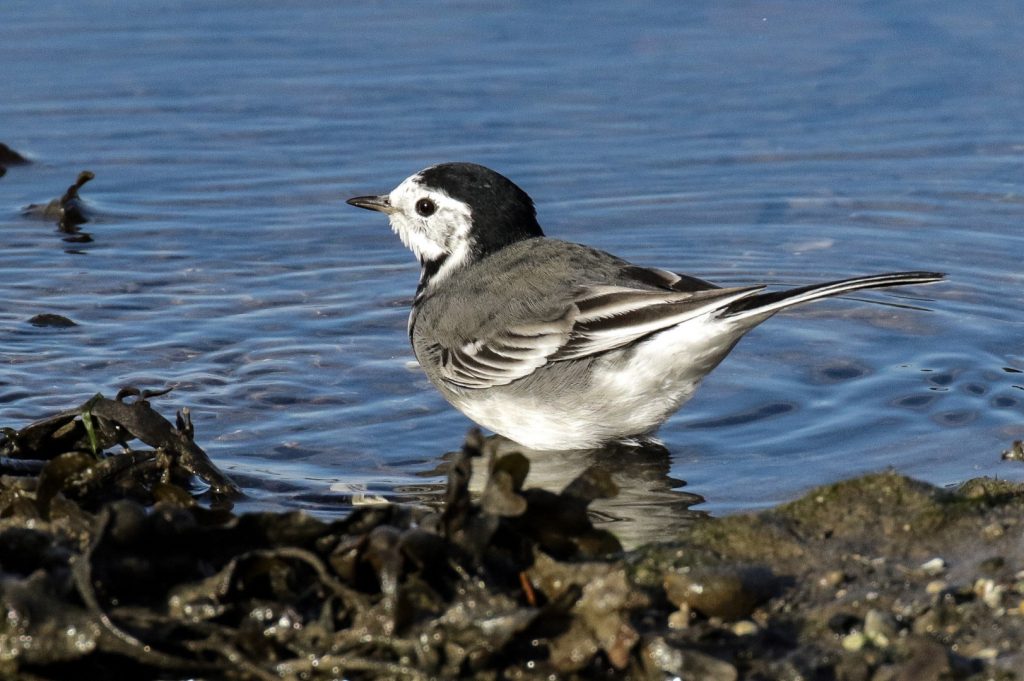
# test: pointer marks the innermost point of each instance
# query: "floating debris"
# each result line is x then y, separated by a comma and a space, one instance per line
69, 211
1015, 452
73, 444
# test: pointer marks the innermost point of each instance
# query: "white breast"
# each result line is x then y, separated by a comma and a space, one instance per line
631, 392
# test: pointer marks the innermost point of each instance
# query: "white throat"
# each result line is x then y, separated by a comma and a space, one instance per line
440, 239
423, 247
431, 275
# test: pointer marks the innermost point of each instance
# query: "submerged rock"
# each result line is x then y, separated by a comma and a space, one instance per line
51, 320
9, 157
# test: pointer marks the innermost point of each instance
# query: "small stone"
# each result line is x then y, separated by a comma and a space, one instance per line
728, 594
933, 567
879, 628
989, 592
832, 578
680, 619
854, 641
660, 658
936, 586
992, 531
745, 628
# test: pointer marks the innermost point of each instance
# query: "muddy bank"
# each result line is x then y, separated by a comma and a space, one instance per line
121, 558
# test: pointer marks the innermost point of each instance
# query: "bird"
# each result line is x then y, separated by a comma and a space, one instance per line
553, 344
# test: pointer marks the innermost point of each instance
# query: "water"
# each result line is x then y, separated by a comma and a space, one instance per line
783, 143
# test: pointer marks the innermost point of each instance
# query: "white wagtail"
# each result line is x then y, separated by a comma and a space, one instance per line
554, 344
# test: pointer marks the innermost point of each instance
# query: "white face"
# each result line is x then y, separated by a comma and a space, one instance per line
430, 223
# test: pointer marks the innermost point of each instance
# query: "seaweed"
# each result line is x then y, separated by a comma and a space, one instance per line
132, 564
68, 211
156, 585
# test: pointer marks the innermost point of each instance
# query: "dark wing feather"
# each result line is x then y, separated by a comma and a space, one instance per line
596, 320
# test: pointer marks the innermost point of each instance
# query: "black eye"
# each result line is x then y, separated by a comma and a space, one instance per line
425, 207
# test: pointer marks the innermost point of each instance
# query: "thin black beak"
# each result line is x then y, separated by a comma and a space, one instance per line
378, 203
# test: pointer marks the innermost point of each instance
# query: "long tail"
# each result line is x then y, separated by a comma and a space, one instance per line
767, 304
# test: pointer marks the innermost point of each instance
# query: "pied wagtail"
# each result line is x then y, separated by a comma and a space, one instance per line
554, 344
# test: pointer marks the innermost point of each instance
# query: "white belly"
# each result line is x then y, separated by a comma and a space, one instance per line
632, 392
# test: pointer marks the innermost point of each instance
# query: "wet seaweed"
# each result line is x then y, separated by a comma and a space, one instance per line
129, 565
1015, 452
68, 211
155, 585
72, 444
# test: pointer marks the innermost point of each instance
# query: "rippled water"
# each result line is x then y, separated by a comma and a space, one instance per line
783, 142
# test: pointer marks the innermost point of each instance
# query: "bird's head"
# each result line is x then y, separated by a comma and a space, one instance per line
453, 214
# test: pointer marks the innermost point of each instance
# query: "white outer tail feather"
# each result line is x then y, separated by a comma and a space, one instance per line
767, 304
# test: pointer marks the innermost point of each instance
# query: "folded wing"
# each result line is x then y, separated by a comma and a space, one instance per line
598, 319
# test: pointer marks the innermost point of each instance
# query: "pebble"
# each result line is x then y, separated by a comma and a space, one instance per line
854, 641
989, 592
935, 566
715, 593
832, 578
879, 628
745, 628
680, 619
992, 531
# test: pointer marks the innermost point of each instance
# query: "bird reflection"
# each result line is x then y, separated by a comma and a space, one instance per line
649, 505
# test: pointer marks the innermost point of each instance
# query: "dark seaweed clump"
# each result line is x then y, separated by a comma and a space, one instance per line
112, 569
69, 211
131, 565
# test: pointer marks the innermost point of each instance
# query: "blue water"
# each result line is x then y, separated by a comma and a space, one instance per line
785, 142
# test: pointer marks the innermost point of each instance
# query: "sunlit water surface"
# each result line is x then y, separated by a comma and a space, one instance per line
784, 143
